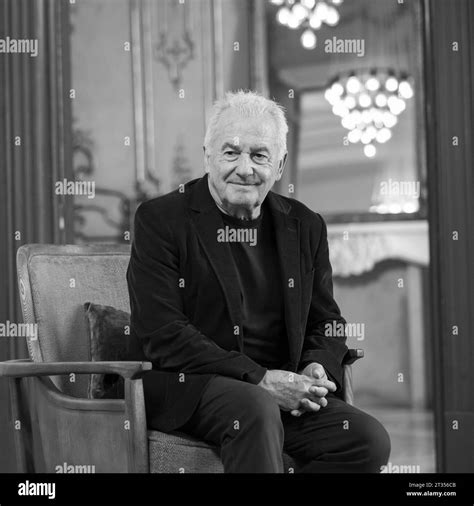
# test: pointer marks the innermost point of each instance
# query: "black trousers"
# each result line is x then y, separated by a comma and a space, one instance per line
252, 432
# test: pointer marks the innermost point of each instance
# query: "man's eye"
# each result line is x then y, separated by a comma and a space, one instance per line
230, 153
260, 157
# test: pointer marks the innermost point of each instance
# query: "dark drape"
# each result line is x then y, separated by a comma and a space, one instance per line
450, 112
34, 153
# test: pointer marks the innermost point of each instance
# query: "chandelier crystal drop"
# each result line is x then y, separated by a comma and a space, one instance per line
369, 104
308, 15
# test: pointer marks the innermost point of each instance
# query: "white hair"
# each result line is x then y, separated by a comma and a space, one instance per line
249, 104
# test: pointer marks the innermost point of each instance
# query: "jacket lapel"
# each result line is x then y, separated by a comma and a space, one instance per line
207, 222
287, 234
287, 230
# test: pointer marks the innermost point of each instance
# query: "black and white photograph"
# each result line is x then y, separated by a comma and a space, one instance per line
236, 252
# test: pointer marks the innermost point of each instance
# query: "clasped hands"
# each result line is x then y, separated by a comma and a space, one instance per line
299, 392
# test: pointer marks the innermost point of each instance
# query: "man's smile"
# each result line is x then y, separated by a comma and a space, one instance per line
243, 184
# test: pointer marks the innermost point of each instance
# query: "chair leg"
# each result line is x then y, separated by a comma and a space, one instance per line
347, 385
21, 428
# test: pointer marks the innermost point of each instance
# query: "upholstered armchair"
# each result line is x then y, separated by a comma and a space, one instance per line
53, 420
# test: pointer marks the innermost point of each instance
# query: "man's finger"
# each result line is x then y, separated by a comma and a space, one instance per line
330, 385
318, 371
322, 401
309, 405
325, 383
297, 412
318, 390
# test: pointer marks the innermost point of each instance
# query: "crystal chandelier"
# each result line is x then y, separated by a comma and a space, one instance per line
307, 14
369, 104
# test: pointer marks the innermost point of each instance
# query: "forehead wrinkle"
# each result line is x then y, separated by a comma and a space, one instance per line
254, 140
240, 132
257, 125
228, 144
238, 147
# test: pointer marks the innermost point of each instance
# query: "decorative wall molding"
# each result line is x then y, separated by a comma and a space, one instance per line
174, 54
217, 27
84, 167
160, 113
175, 46
182, 169
259, 51
147, 185
355, 248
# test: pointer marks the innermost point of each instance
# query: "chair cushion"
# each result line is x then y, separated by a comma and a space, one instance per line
110, 340
177, 452
55, 281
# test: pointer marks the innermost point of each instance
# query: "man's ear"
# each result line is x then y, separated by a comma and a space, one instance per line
206, 160
281, 166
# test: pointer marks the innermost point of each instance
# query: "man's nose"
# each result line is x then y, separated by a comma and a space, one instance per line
244, 167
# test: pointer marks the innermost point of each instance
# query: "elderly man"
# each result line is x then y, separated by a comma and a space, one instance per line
231, 295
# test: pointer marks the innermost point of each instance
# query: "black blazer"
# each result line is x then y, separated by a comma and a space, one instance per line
185, 301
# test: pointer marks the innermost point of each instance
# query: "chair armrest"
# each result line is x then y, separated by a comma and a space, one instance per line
352, 355
25, 368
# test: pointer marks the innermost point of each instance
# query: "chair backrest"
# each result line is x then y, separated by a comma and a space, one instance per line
55, 282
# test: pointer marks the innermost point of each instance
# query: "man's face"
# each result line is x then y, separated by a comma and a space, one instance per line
242, 161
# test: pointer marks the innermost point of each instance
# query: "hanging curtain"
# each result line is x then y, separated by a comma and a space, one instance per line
35, 151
